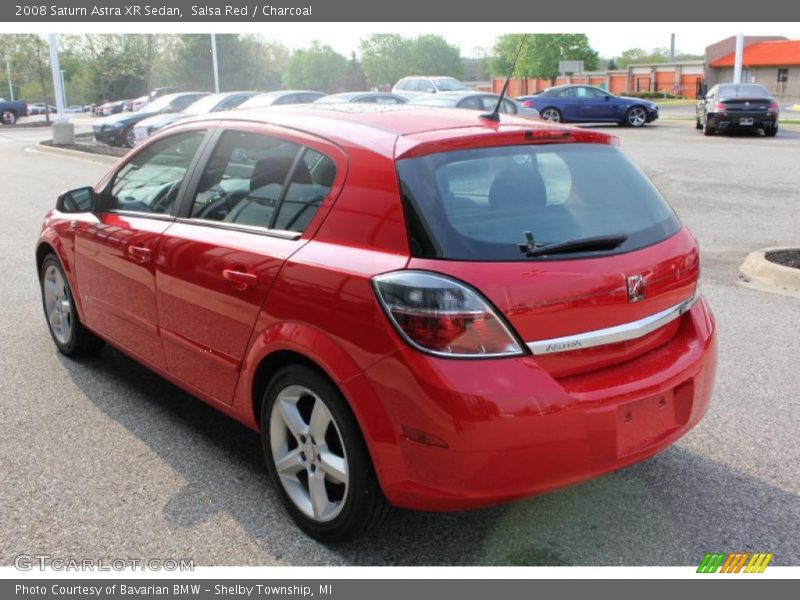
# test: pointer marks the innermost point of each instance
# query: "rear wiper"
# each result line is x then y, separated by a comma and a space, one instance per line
599, 242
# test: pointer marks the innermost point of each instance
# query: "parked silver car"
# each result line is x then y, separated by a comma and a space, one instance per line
281, 97
361, 98
484, 101
418, 85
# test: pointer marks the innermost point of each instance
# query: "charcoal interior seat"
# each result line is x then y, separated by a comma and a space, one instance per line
266, 183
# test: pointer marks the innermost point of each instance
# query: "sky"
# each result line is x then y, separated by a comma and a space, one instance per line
609, 39
473, 39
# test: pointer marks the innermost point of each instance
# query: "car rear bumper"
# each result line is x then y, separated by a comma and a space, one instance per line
741, 120
503, 429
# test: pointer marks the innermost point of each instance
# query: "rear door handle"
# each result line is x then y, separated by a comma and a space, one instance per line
140, 254
240, 280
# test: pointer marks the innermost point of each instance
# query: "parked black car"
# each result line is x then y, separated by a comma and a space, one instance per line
728, 106
205, 105
117, 130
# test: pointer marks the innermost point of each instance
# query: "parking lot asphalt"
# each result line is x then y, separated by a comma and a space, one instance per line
102, 459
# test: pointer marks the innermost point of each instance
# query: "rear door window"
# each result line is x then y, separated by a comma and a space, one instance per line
478, 204
257, 180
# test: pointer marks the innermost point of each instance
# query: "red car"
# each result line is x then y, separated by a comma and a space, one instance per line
414, 307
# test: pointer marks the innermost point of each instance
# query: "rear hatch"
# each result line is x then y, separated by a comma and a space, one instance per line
564, 239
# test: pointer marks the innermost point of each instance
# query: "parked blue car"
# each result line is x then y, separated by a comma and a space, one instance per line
589, 104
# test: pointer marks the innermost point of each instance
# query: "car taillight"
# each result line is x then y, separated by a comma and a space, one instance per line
774, 106
719, 106
442, 316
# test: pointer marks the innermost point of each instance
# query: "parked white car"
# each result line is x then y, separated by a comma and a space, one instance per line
417, 85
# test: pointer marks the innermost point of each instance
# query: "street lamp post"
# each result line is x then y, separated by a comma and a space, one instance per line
8, 72
63, 88
63, 130
214, 61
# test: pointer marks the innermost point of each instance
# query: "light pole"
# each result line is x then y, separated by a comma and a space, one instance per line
63, 131
214, 60
737, 63
8, 71
63, 88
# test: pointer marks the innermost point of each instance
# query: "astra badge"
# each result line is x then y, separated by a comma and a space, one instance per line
635, 288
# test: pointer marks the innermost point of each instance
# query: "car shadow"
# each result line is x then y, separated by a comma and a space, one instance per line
668, 510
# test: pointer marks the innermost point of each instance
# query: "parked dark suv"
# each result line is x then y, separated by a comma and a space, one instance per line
729, 106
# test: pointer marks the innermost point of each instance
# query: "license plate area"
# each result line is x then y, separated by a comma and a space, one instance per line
746, 121
644, 422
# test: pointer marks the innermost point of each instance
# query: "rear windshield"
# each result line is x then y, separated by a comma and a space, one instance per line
742, 91
477, 204
449, 85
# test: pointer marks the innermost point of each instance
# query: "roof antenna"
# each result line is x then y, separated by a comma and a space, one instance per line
495, 114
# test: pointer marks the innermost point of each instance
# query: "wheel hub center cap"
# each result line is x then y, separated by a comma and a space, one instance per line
311, 453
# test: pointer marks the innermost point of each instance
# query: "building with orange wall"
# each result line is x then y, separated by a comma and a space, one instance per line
676, 78
771, 62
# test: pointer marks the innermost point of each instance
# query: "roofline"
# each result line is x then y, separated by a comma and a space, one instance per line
386, 141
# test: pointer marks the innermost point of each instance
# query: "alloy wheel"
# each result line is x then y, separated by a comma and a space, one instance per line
57, 304
130, 138
551, 114
308, 453
637, 117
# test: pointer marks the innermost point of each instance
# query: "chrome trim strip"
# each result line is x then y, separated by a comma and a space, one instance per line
612, 335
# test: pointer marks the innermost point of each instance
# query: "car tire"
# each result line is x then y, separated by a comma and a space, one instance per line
128, 137
551, 114
636, 116
9, 117
771, 131
317, 457
698, 125
707, 131
70, 336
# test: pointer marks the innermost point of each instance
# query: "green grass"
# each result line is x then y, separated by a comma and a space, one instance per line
674, 102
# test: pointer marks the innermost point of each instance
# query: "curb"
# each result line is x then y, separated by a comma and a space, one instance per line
758, 269
80, 154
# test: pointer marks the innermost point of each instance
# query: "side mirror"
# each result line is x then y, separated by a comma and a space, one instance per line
607, 98
75, 201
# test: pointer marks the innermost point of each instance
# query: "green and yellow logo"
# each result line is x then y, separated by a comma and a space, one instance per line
739, 562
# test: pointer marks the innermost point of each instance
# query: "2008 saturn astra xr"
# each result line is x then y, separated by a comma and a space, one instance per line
415, 307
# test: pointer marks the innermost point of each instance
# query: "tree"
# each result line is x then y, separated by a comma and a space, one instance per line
637, 55
353, 79
430, 54
317, 68
633, 56
388, 57
385, 58
541, 54
612, 64
30, 60
245, 62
